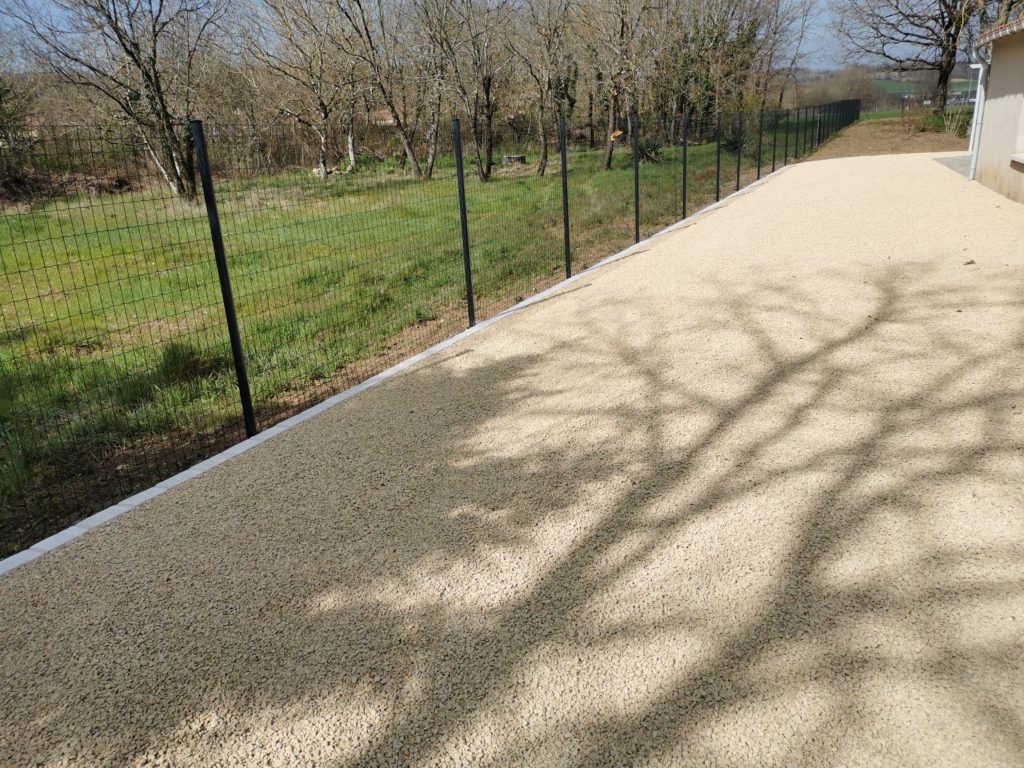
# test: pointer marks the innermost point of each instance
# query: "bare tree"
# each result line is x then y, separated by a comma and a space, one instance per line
783, 37
994, 13
16, 95
540, 45
433, 19
295, 40
624, 47
472, 34
376, 35
141, 55
912, 35
405, 64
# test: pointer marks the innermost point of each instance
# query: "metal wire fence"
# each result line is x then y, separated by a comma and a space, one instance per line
143, 331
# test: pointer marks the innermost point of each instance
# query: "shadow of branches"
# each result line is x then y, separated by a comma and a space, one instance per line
785, 533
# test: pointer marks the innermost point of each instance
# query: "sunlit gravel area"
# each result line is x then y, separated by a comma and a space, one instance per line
751, 497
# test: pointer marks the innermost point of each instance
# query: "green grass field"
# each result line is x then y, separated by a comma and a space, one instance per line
921, 90
115, 361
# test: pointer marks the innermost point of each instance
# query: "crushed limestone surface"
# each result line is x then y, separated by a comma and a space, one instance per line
752, 497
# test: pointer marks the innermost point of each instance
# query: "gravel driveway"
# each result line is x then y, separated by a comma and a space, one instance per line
752, 497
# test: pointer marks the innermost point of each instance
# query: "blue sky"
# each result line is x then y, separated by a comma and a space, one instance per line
823, 48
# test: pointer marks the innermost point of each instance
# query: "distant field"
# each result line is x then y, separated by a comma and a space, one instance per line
920, 89
893, 86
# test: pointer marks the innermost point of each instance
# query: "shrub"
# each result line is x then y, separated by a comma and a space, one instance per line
648, 150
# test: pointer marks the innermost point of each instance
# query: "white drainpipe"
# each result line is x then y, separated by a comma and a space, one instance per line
979, 114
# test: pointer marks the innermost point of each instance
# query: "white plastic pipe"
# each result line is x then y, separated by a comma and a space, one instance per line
979, 116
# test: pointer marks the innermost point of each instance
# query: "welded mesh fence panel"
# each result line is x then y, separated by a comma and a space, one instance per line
335, 278
600, 201
660, 169
115, 367
701, 164
746, 140
515, 219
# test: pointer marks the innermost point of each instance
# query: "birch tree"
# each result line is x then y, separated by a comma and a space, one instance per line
376, 34
295, 40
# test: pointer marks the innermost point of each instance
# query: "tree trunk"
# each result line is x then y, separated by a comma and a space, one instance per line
610, 146
321, 157
590, 118
350, 130
477, 141
410, 156
489, 109
542, 125
403, 134
351, 142
174, 161
946, 64
432, 132
179, 155
478, 128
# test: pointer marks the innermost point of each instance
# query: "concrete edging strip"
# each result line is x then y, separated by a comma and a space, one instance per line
84, 526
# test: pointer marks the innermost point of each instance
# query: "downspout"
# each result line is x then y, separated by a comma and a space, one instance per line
982, 66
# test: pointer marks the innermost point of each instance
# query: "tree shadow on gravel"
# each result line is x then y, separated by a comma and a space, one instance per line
904, 439
764, 559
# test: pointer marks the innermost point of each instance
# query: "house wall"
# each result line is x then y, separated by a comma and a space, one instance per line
1002, 129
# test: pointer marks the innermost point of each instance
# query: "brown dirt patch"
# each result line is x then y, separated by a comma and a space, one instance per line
886, 137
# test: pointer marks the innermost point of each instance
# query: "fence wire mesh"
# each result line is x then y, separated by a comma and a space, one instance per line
116, 365
115, 368
335, 278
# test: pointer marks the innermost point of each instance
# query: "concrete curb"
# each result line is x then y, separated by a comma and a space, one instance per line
84, 526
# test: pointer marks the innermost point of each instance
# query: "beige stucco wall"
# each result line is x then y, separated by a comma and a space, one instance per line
1002, 129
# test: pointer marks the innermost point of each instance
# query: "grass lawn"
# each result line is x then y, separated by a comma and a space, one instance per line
114, 356
922, 90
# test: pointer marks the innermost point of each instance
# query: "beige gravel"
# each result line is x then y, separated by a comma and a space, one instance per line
750, 498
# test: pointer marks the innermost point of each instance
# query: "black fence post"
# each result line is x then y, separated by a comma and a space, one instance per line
635, 126
796, 136
775, 136
565, 196
785, 157
739, 146
686, 144
203, 159
760, 141
718, 157
464, 220
803, 134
